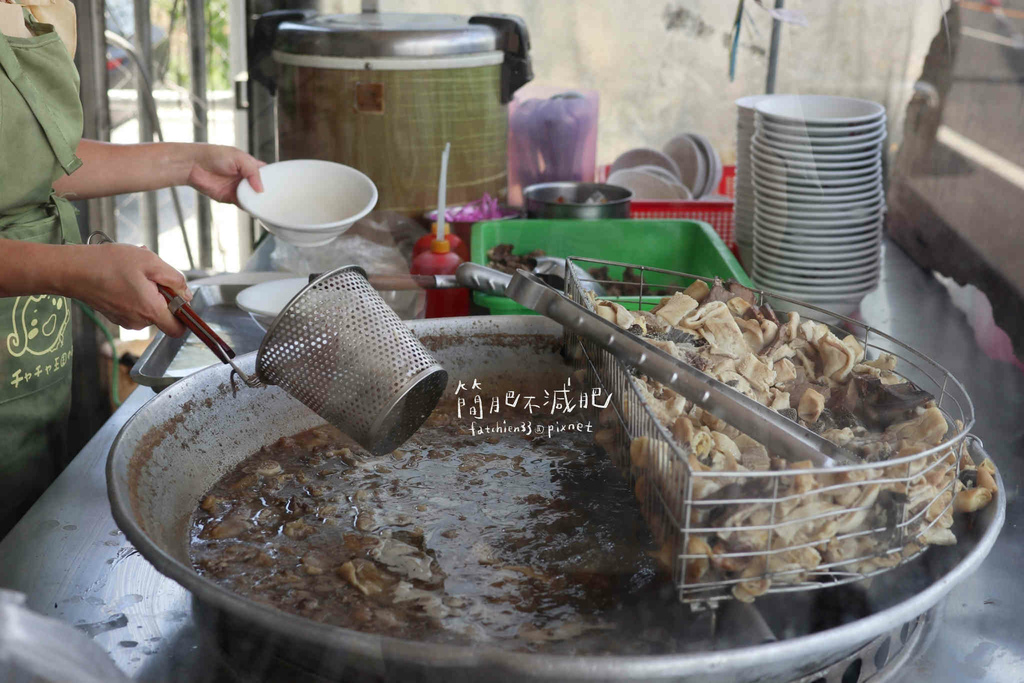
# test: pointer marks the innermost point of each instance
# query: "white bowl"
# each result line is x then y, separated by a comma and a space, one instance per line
850, 215
841, 252
819, 131
806, 248
822, 296
814, 163
813, 173
852, 282
807, 261
815, 293
748, 103
266, 300
784, 239
839, 268
838, 160
818, 109
823, 207
847, 267
816, 188
800, 235
835, 228
308, 202
793, 197
824, 152
821, 142
803, 277
763, 171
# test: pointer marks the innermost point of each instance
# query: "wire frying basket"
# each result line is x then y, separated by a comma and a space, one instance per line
340, 349
744, 533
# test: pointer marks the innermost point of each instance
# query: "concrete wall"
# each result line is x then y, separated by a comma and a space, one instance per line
661, 66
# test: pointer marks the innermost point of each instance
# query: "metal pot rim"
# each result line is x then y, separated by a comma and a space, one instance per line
527, 191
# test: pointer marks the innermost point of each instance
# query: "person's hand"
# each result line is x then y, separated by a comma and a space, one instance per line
119, 281
217, 170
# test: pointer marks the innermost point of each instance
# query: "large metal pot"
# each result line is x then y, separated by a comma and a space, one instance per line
181, 442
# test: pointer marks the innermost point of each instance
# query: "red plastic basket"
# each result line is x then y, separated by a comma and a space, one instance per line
718, 214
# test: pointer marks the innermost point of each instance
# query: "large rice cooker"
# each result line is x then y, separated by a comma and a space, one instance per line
384, 92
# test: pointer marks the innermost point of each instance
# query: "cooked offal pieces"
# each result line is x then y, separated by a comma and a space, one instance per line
803, 370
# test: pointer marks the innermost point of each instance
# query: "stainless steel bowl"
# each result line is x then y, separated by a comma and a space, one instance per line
568, 200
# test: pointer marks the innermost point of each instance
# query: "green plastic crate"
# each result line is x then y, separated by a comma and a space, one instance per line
686, 246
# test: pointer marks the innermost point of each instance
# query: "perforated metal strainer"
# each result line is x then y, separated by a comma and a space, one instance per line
341, 350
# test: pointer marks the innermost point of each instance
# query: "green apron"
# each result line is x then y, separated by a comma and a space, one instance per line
40, 127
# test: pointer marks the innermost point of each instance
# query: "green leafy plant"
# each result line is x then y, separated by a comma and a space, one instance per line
172, 14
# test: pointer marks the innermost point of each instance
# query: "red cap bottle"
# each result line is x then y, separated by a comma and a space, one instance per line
439, 259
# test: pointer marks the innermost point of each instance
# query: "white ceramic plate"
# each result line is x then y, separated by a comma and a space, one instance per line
266, 300
645, 185
662, 173
826, 110
688, 156
645, 156
308, 202
712, 166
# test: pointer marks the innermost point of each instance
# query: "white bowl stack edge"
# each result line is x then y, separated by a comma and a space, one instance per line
809, 197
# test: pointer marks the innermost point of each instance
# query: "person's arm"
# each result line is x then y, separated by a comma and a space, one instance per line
108, 169
118, 280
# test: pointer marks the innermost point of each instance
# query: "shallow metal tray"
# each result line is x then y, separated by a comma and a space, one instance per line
168, 359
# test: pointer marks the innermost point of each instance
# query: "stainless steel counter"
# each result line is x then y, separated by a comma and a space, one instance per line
69, 558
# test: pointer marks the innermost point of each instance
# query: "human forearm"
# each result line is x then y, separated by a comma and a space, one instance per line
119, 280
109, 169
32, 268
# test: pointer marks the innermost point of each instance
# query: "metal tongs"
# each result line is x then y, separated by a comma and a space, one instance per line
776, 432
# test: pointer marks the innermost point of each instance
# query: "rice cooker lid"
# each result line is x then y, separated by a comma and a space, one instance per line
373, 34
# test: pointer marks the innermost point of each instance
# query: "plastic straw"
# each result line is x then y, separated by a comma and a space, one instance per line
441, 188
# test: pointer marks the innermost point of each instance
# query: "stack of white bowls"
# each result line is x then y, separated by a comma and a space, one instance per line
818, 197
743, 216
